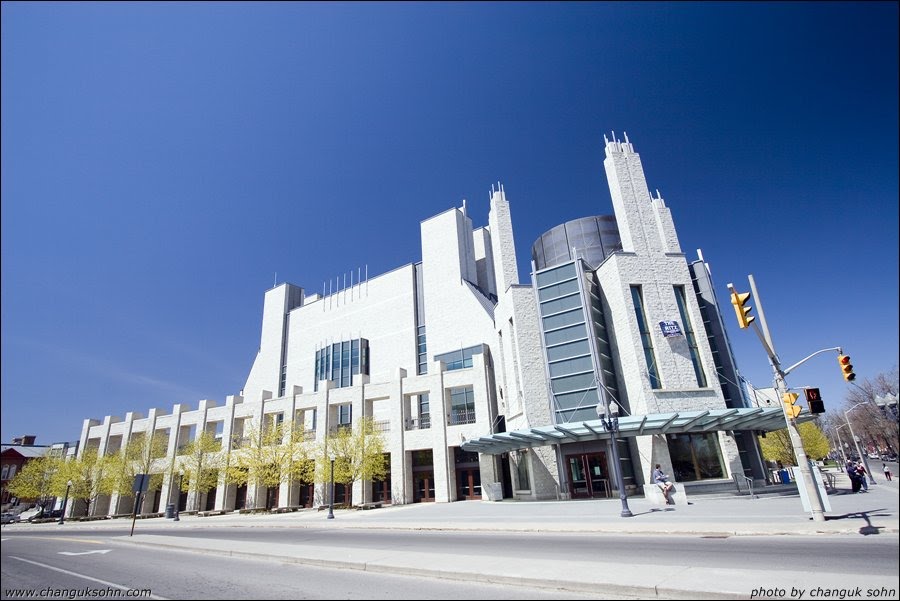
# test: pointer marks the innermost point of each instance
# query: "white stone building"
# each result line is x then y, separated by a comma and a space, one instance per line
460, 365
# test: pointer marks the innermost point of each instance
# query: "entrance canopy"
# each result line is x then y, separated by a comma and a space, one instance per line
754, 418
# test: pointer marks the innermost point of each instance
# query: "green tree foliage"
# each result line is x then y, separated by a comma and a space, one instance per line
200, 465
35, 480
91, 475
140, 456
358, 455
776, 446
269, 457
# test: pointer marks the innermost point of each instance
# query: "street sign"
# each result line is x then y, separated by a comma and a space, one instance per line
141, 483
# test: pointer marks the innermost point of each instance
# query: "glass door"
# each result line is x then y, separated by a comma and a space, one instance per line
588, 475
578, 484
423, 487
469, 483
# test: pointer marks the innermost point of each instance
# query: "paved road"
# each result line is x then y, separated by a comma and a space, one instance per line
35, 563
846, 554
712, 548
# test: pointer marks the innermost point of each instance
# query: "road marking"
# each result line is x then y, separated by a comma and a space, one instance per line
77, 575
65, 538
101, 551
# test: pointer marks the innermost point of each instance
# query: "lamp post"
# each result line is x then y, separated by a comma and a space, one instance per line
855, 438
841, 443
331, 496
609, 417
62, 514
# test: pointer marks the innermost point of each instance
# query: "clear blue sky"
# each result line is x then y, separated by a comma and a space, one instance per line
161, 162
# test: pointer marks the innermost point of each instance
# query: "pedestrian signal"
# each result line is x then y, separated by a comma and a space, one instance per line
790, 407
846, 367
814, 400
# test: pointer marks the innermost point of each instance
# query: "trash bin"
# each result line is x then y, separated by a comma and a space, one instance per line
785, 476
170, 511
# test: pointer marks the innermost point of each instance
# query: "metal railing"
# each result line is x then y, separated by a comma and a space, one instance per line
382, 426
421, 423
461, 417
749, 481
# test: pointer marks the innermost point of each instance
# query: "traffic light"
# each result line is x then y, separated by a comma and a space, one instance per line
790, 399
739, 299
846, 367
814, 400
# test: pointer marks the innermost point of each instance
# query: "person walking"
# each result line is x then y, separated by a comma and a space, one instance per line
887, 471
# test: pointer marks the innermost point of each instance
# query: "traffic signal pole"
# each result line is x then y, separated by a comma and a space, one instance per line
815, 501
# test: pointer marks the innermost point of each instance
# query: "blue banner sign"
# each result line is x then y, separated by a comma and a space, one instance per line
669, 328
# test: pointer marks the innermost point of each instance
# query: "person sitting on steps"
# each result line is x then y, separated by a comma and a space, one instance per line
662, 481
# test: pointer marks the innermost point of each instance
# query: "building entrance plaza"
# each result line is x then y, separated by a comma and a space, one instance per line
480, 385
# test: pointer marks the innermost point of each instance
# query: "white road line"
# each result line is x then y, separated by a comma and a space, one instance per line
91, 578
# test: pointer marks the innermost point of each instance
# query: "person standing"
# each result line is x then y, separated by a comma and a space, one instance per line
853, 474
861, 474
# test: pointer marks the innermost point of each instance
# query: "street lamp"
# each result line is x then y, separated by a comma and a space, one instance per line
331, 496
609, 417
855, 438
62, 514
841, 443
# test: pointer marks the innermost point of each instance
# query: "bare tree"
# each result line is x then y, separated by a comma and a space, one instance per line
876, 426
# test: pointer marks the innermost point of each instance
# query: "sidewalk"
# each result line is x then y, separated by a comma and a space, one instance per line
875, 512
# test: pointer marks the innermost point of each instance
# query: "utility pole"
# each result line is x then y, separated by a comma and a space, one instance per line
781, 388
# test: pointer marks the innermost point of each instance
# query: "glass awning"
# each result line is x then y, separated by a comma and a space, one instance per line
681, 422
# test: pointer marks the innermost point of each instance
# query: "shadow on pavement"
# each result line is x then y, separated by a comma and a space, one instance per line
868, 528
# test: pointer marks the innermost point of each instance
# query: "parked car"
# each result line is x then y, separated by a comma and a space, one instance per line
46, 513
9, 518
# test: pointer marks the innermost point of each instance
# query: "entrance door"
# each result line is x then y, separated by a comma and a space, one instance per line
423, 487
240, 497
307, 494
381, 490
272, 497
588, 475
468, 481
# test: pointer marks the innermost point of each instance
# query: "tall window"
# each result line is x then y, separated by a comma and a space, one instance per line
345, 415
646, 340
462, 405
566, 338
340, 361
689, 336
422, 350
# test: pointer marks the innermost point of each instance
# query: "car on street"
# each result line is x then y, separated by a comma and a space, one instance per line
9, 518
